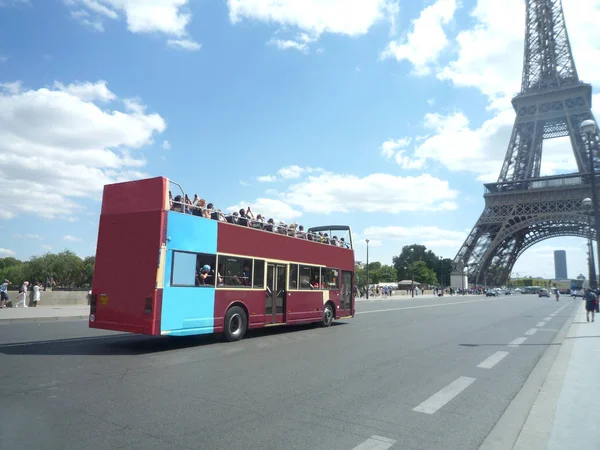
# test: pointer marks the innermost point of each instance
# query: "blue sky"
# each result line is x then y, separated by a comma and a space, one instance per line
387, 115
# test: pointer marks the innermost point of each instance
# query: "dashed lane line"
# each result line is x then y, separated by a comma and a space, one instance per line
375, 443
493, 360
516, 342
441, 398
531, 332
421, 306
540, 324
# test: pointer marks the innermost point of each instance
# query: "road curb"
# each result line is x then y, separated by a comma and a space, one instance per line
42, 319
515, 429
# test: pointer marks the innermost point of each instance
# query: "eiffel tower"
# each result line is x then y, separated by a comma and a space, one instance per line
522, 208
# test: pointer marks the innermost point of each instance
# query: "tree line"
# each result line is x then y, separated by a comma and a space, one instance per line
414, 261
64, 269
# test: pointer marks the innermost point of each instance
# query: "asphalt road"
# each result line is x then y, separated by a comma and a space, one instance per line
402, 374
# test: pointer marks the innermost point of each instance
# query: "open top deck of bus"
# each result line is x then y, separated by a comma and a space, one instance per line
160, 271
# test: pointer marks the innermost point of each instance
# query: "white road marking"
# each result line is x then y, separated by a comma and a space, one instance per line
531, 332
540, 324
518, 341
439, 399
493, 360
375, 443
421, 306
547, 319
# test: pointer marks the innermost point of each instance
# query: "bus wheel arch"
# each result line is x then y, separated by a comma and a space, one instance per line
328, 314
236, 322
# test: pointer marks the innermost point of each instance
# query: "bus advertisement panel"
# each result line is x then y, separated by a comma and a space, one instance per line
163, 268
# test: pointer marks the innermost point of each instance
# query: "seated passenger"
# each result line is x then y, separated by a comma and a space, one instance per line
204, 277
282, 228
177, 204
343, 243
243, 220
292, 230
259, 222
270, 226
334, 241
301, 233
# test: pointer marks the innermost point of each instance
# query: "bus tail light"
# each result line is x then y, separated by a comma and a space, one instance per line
93, 299
148, 308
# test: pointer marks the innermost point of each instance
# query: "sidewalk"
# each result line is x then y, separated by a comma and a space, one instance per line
564, 401
44, 313
409, 297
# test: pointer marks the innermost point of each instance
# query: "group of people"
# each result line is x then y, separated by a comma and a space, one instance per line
22, 294
245, 217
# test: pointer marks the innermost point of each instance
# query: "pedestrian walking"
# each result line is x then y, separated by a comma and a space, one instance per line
557, 295
22, 297
4, 293
590, 303
36, 293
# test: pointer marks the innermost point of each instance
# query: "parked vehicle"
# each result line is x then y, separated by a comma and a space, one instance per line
543, 293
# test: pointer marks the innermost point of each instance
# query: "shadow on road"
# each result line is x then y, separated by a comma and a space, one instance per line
131, 344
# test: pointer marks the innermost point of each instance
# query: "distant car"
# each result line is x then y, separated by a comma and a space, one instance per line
508, 293
491, 293
543, 293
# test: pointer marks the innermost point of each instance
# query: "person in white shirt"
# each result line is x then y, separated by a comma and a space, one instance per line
22, 297
36, 293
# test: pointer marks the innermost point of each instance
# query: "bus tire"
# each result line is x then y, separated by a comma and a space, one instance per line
236, 324
328, 316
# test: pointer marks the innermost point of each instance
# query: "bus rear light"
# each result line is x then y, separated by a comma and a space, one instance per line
93, 299
148, 307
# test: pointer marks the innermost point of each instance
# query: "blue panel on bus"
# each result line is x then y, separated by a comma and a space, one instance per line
191, 233
188, 310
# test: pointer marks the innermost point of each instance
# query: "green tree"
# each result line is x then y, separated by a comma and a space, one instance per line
387, 274
423, 274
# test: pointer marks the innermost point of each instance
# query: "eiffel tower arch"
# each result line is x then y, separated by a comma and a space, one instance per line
522, 208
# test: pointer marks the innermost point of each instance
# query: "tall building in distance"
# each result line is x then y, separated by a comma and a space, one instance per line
560, 265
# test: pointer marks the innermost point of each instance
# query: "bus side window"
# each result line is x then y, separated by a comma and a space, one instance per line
315, 277
183, 271
293, 276
330, 278
259, 274
305, 281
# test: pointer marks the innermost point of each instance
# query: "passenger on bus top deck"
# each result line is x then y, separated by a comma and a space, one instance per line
247, 280
243, 219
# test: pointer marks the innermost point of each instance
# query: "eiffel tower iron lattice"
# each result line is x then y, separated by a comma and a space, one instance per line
522, 208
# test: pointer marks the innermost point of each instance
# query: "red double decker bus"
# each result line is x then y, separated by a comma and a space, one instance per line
165, 272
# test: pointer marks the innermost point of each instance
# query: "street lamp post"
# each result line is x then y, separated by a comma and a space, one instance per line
587, 204
589, 129
442, 274
412, 272
367, 241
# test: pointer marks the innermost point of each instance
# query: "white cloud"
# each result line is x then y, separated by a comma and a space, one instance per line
269, 208
286, 44
424, 44
87, 146
70, 238
267, 178
330, 192
88, 92
391, 146
46, 247
14, 87
424, 234
170, 17
6, 252
291, 172
3, 59
244, 183
314, 17
431, 101
184, 44
26, 236
166, 145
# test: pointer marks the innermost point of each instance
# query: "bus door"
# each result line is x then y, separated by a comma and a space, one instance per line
276, 294
346, 294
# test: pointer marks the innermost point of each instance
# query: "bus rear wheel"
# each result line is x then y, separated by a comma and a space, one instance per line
327, 319
236, 324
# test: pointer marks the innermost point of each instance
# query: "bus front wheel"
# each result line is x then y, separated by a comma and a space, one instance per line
327, 315
236, 324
